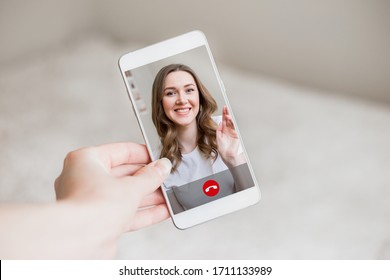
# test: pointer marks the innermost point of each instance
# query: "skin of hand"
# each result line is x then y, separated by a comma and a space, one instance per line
102, 192
228, 141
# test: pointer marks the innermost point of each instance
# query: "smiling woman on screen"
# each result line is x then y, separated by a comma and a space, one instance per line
197, 143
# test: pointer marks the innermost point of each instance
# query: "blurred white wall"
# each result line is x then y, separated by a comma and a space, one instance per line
27, 27
338, 45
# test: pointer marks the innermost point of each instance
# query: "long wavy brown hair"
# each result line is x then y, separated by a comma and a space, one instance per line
167, 130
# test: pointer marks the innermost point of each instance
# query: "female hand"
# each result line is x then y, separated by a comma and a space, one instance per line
115, 177
102, 192
228, 141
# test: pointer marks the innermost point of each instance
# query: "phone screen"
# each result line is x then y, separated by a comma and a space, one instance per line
185, 116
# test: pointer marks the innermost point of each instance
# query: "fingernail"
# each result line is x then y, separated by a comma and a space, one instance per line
164, 166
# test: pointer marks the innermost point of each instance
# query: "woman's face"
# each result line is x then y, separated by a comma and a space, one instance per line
180, 98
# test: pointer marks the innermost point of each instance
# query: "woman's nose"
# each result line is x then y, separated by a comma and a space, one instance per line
181, 98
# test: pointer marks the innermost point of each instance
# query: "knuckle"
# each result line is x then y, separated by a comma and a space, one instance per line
78, 154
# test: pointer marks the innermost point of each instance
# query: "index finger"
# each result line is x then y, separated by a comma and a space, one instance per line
116, 154
225, 111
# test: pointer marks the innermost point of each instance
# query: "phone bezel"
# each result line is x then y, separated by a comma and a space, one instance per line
164, 49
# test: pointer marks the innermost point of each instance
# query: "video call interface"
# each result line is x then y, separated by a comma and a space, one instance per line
180, 92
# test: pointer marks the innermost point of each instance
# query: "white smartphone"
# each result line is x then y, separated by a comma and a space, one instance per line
184, 115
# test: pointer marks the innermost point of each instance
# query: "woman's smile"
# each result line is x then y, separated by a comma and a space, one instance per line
182, 111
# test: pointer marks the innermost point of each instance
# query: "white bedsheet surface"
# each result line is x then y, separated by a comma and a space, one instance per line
322, 160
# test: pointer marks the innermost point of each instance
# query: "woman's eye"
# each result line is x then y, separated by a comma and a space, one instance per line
190, 90
169, 93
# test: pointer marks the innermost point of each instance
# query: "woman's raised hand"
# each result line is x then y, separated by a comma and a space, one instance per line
228, 141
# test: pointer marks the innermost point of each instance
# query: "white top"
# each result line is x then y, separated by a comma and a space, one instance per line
194, 166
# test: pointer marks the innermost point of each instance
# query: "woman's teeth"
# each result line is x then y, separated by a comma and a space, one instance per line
185, 110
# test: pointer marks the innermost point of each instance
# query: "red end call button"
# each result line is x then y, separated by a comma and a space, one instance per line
210, 188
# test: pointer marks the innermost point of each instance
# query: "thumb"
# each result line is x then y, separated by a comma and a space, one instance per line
150, 177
